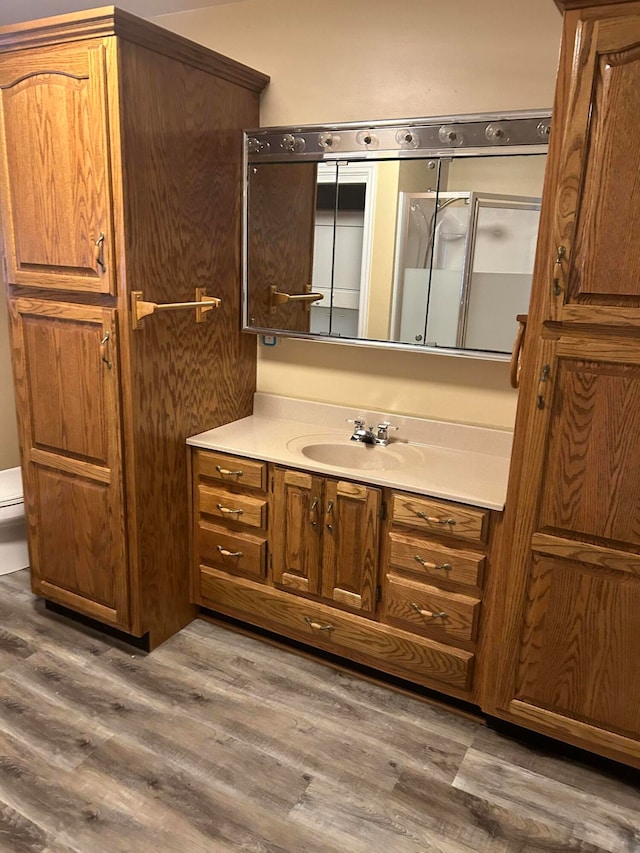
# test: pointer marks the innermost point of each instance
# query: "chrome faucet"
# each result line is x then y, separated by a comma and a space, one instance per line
371, 435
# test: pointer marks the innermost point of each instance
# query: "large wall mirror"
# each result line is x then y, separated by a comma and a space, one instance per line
417, 235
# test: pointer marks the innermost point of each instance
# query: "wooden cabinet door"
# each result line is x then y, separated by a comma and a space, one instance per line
350, 545
280, 238
567, 639
66, 372
597, 204
297, 530
55, 184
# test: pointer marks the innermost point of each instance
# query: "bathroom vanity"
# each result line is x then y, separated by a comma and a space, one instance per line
379, 554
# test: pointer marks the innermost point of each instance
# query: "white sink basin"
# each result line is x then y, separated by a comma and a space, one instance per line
344, 453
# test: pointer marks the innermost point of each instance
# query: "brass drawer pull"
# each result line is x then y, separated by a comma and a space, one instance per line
226, 553
433, 520
428, 614
313, 513
318, 626
227, 473
228, 511
444, 566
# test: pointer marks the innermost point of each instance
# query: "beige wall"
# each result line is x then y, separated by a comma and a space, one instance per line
8, 430
348, 60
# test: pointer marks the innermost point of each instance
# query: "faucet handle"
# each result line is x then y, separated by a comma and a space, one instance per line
357, 422
386, 426
383, 431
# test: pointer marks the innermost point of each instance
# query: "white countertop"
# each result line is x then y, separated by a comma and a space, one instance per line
457, 462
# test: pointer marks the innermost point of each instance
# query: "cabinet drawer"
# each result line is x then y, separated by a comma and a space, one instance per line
240, 509
446, 616
435, 563
232, 469
418, 659
436, 516
232, 552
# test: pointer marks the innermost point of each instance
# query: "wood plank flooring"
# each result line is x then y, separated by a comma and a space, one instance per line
221, 742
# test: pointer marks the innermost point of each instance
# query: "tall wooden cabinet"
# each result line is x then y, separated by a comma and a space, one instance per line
120, 172
565, 599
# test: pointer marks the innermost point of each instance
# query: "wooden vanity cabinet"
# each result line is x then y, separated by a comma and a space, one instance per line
564, 629
120, 171
346, 567
326, 538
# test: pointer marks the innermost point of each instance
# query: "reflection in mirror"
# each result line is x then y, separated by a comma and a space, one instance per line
429, 252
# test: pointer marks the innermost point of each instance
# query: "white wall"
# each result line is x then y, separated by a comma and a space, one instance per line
8, 429
345, 60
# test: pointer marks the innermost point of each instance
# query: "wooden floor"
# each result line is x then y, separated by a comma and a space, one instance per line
219, 741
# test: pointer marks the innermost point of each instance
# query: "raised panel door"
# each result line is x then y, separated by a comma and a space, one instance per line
565, 629
297, 530
350, 545
66, 370
55, 183
597, 208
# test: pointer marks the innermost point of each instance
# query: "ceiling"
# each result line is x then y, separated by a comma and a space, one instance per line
13, 11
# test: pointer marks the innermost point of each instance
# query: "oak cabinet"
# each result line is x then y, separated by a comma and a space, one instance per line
325, 538
344, 566
71, 445
120, 174
566, 643
55, 173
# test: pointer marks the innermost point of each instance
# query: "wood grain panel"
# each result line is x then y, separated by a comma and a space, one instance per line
602, 263
67, 400
56, 182
231, 551
350, 545
446, 616
296, 532
231, 469
580, 651
423, 661
440, 517
79, 541
435, 562
583, 552
592, 471
181, 191
67, 415
235, 509
281, 215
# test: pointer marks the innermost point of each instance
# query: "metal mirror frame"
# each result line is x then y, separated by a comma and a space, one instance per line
452, 136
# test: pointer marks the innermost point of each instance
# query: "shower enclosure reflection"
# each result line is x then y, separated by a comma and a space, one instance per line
465, 263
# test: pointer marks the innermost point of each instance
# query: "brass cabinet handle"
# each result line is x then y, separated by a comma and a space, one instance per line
141, 309
98, 249
514, 368
228, 511
103, 350
329, 511
279, 297
226, 553
558, 273
313, 512
318, 626
444, 566
433, 520
428, 614
227, 473
544, 378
